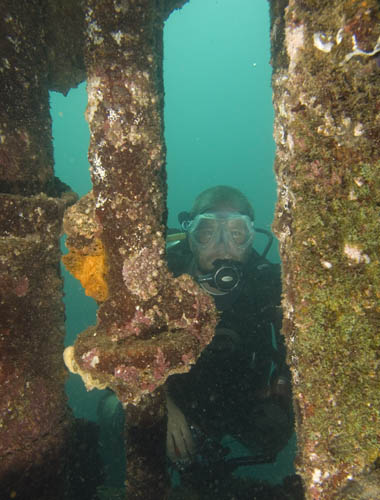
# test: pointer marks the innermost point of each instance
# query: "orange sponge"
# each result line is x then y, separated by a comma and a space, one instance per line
89, 269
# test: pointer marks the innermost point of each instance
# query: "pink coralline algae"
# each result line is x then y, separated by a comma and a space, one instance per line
21, 287
187, 358
90, 358
18, 286
140, 273
160, 365
139, 322
128, 374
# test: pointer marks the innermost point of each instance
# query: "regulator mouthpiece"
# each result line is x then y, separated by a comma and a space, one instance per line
226, 275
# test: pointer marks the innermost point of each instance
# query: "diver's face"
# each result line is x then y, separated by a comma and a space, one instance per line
220, 235
205, 258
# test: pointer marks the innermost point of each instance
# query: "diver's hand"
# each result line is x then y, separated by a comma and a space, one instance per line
281, 388
281, 392
278, 390
179, 441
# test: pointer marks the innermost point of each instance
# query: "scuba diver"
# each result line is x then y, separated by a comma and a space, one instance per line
240, 385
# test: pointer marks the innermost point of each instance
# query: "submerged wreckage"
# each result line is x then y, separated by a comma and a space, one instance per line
327, 129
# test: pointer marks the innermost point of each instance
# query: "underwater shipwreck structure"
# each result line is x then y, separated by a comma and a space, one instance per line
326, 94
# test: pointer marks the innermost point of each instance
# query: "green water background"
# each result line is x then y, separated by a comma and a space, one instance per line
218, 109
218, 130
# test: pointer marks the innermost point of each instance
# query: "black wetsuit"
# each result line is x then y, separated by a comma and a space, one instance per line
224, 393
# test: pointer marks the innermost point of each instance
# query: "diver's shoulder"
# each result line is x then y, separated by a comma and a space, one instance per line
260, 265
264, 276
178, 257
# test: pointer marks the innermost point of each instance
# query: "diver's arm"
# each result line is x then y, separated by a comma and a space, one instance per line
179, 440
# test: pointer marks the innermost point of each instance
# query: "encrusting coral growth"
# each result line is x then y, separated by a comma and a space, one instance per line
326, 95
40, 441
327, 130
150, 325
143, 323
86, 259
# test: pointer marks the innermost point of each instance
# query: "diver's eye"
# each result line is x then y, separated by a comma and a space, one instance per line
205, 231
239, 236
238, 231
204, 236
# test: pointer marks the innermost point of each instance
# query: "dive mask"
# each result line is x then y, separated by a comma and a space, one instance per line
209, 229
